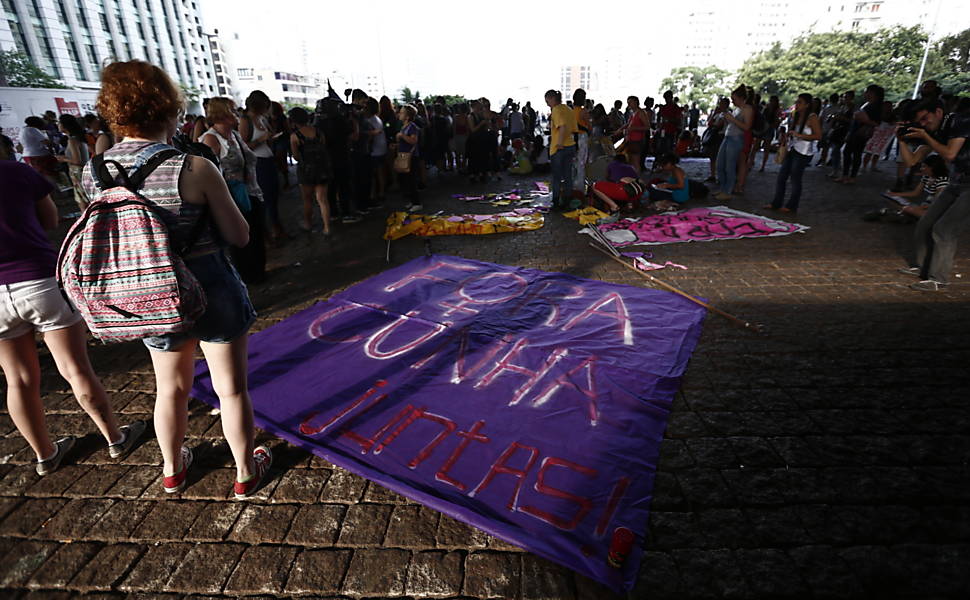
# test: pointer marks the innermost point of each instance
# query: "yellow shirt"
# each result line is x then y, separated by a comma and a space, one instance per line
562, 119
583, 125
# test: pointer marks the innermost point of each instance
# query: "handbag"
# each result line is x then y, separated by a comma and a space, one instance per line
240, 195
402, 162
781, 154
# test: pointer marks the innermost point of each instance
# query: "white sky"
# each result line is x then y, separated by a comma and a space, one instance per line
496, 49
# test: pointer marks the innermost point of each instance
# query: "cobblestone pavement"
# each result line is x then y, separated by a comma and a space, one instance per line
827, 457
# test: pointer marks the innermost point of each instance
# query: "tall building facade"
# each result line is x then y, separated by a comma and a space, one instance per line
72, 39
574, 77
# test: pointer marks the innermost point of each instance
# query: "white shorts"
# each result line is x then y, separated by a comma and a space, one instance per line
35, 305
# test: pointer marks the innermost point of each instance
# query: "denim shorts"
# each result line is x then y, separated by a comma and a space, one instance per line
35, 305
229, 313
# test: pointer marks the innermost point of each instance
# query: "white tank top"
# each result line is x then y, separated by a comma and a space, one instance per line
804, 147
259, 129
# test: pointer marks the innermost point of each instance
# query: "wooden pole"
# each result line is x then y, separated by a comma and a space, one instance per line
752, 326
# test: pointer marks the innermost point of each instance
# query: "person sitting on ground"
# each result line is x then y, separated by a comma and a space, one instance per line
935, 176
521, 165
31, 302
669, 194
684, 143
622, 184
539, 156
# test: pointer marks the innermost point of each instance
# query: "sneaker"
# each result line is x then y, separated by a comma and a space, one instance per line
262, 458
723, 197
875, 215
351, 220
49, 465
127, 444
914, 271
176, 483
414, 207
928, 285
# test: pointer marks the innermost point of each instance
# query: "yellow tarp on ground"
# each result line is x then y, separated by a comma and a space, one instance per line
587, 215
400, 224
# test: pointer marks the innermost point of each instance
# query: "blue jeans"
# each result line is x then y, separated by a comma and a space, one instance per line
727, 162
794, 167
562, 176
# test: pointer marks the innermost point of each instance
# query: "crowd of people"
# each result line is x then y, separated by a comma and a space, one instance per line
222, 191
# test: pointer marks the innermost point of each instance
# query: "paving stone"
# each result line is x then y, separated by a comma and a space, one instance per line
776, 526
57, 482
587, 589
120, 521
318, 572
711, 573
22, 560
263, 524
107, 567
17, 480
492, 575
435, 574
134, 482
412, 526
544, 580
825, 572
96, 482
364, 525
705, 487
379, 494
316, 525
343, 487
658, 577
300, 485
30, 516
674, 455
214, 522
205, 568
75, 518
208, 484
377, 572
770, 573
455, 534
717, 453
754, 486
262, 570
154, 568
63, 565
168, 521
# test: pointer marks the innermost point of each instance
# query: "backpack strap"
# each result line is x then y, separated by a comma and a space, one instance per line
148, 167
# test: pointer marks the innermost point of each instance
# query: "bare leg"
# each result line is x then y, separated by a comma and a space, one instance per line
306, 193
764, 157
227, 364
321, 192
18, 359
173, 381
68, 346
606, 200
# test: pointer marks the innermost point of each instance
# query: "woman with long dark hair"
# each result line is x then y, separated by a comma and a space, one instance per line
801, 139
864, 122
76, 155
256, 131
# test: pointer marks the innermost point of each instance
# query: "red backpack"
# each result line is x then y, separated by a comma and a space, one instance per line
118, 265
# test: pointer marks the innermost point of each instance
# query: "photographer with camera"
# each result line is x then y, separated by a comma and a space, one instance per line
938, 231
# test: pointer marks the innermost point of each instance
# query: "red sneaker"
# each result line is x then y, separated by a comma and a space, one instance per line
176, 483
262, 458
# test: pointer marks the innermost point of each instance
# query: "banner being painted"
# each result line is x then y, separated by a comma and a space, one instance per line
528, 404
696, 225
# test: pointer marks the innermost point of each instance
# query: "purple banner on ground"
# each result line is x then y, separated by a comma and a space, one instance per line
695, 225
528, 404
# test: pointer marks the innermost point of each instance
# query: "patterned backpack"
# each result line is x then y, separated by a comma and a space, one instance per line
118, 265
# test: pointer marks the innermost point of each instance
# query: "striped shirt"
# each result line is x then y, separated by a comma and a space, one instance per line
933, 186
162, 189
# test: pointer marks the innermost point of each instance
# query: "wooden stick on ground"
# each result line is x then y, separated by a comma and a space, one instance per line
752, 326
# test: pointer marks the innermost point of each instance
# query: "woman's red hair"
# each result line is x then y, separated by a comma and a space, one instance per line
137, 98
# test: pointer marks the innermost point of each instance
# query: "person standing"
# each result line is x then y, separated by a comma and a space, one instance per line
238, 166
693, 118
714, 135
76, 155
583, 128
309, 148
671, 122
826, 118
36, 145
142, 104
407, 142
803, 133
378, 151
863, 124
728, 156
258, 135
31, 302
635, 131
772, 117
938, 231
562, 150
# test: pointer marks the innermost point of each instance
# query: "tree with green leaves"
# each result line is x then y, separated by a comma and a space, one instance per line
407, 96
949, 63
17, 70
826, 63
703, 85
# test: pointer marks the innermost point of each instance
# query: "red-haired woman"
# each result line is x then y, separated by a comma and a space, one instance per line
142, 105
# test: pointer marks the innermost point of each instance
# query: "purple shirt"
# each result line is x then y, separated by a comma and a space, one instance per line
617, 170
25, 252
